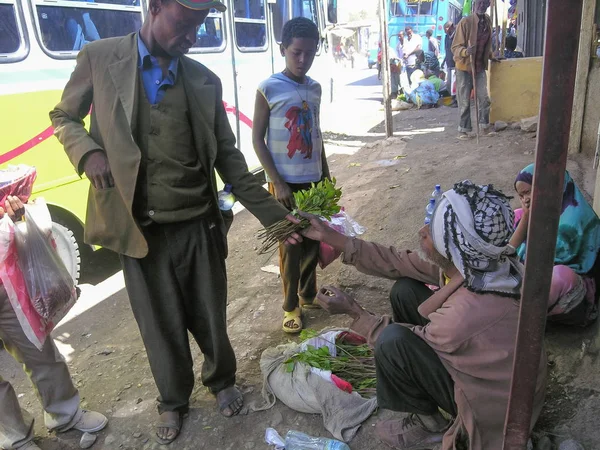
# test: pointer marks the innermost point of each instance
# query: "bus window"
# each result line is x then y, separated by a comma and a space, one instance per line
305, 8
12, 39
68, 26
280, 16
420, 7
300, 8
454, 14
397, 9
211, 36
332, 11
250, 25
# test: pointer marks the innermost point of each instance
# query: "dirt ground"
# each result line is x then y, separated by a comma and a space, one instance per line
386, 186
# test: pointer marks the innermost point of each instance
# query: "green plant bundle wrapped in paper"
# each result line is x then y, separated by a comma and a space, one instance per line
350, 359
320, 200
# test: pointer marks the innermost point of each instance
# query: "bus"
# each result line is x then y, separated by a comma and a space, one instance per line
422, 15
40, 39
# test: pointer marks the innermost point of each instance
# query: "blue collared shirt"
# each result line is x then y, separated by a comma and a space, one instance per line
152, 75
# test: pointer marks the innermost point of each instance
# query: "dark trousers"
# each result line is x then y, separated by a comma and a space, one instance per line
410, 375
464, 86
409, 72
181, 285
298, 266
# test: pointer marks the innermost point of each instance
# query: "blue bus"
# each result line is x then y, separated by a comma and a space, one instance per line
422, 15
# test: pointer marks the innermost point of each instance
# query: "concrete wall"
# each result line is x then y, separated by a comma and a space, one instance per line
591, 115
515, 86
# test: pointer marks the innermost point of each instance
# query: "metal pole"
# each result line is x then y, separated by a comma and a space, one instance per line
385, 68
504, 27
496, 22
331, 90
560, 56
493, 13
418, 24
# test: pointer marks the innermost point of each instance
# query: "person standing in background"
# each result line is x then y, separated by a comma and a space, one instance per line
473, 41
412, 44
48, 372
396, 67
286, 112
448, 61
158, 133
434, 45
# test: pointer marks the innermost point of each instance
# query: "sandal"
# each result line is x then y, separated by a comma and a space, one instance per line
306, 304
230, 401
295, 317
169, 419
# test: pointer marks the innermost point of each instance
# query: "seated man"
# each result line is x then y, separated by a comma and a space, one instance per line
424, 95
451, 349
438, 82
48, 372
511, 48
427, 62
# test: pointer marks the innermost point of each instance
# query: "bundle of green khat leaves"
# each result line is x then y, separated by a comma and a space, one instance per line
353, 363
320, 200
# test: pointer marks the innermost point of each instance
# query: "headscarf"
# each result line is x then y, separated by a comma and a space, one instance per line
471, 226
578, 238
417, 76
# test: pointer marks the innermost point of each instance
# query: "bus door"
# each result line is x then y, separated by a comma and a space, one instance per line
214, 49
284, 10
253, 63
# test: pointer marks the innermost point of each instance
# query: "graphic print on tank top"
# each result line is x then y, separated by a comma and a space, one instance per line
300, 123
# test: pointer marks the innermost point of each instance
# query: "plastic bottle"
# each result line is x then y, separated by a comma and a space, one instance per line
429, 209
427, 220
226, 198
295, 440
437, 193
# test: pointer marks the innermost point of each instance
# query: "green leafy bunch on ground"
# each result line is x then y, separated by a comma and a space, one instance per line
354, 363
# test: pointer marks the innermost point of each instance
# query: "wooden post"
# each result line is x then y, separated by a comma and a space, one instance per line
583, 70
385, 68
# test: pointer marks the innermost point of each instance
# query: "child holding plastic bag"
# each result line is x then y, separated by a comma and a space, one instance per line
46, 367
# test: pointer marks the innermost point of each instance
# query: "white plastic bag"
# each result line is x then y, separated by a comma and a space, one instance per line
272, 437
35, 326
49, 284
343, 223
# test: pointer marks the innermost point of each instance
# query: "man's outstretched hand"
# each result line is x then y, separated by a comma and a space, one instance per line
321, 232
295, 238
336, 301
317, 230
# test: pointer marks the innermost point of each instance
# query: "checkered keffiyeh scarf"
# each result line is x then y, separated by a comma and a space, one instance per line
471, 226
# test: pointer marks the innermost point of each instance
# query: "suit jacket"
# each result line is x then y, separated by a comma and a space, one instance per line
106, 75
466, 31
449, 58
474, 336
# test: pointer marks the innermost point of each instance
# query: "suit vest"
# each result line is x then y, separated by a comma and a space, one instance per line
171, 185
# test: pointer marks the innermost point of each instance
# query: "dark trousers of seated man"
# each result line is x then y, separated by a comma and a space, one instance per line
410, 375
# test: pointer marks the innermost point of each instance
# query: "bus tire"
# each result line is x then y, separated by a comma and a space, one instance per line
67, 248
